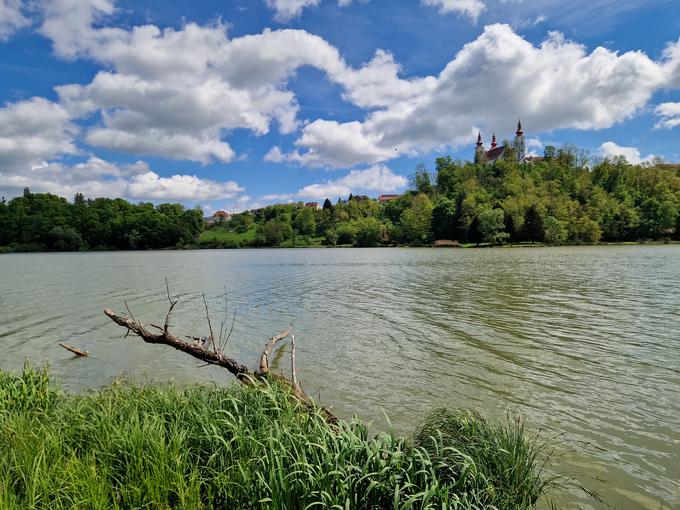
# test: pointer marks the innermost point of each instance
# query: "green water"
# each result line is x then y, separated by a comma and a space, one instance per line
582, 342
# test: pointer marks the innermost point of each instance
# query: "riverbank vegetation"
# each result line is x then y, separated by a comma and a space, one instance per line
251, 446
561, 199
46, 222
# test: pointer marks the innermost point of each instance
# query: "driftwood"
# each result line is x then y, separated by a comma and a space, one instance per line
210, 352
75, 351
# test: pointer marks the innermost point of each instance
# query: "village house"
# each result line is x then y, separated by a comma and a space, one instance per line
388, 198
314, 205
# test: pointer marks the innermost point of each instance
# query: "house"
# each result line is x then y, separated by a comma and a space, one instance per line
218, 217
314, 205
388, 198
496, 152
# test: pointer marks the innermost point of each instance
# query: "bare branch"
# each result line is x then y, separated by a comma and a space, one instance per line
193, 349
292, 361
264, 357
166, 327
75, 351
129, 311
211, 338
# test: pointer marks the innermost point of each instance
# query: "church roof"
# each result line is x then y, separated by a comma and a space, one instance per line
494, 154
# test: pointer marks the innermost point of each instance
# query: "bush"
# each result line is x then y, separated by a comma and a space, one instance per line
346, 233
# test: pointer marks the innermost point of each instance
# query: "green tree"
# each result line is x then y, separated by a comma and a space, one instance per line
369, 232
444, 219
415, 222
491, 226
555, 231
533, 225
305, 221
421, 181
346, 233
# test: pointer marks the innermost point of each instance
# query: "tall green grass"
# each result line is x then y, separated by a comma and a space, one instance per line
194, 447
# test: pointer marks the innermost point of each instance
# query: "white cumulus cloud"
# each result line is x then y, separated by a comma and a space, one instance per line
377, 178
669, 114
11, 18
489, 84
632, 154
471, 8
34, 131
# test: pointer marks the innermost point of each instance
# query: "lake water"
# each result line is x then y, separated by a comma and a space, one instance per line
583, 342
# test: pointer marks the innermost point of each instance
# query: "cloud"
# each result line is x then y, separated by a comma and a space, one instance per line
181, 93
632, 154
470, 8
99, 178
32, 132
289, 9
489, 84
376, 178
11, 18
669, 114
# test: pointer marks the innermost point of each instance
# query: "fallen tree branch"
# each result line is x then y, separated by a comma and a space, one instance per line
75, 351
199, 348
268, 348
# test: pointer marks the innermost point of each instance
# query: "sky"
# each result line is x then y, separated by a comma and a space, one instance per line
238, 104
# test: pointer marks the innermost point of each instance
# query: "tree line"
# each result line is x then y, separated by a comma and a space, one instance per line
562, 199
42, 222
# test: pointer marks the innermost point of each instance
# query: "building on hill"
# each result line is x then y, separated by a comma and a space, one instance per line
222, 215
218, 217
387, 198
313, 205
496, 152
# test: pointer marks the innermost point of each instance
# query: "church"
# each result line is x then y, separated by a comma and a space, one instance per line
495, 152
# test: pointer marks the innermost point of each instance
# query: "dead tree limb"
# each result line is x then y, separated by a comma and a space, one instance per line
75, 351
293, 369
199, 348
195, 349
268, 348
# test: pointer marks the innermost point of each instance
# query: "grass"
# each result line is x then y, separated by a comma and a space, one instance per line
220, 234
161, 447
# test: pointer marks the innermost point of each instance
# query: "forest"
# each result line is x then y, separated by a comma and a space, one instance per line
563, 198
46, 222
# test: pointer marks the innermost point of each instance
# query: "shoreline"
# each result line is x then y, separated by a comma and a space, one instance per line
5, 251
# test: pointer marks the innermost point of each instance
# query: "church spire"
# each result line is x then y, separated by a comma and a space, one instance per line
479, 139
519, 128
493, 141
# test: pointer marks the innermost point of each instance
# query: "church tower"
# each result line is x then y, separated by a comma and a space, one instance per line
479, 151
520, 148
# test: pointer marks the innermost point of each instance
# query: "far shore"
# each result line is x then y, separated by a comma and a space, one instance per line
4, 250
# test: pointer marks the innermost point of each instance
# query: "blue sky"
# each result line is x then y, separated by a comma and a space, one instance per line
236, 104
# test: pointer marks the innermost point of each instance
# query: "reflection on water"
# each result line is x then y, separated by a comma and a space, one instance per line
582, 342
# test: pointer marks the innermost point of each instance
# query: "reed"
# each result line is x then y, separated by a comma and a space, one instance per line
193, 447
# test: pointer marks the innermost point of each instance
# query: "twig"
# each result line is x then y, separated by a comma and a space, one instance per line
207, 316
172, 305
224, 321
292, 361
129, 311
75, 351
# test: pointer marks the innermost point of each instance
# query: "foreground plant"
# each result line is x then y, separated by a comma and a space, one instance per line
250, 446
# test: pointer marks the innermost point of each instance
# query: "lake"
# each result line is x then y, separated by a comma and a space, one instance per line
583, 342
